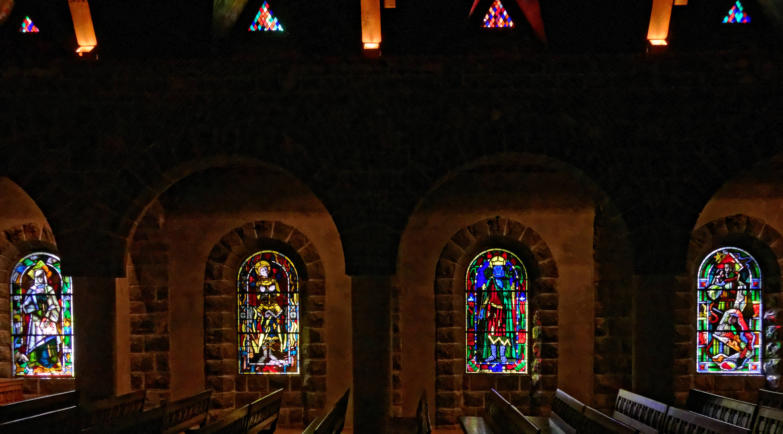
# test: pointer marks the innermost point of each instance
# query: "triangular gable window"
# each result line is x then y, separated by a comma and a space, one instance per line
497, 17
265, 21
736, 15
28, 26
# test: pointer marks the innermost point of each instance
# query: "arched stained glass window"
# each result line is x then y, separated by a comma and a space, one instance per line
41, 317
729, 306
268, 314
496, 313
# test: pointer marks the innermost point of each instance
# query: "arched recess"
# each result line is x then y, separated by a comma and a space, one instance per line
454, 388
23, 230
305, 393
588, 240
174, 239
765, 244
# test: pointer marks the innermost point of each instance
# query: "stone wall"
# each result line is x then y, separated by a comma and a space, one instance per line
149, 306
458, 393
305, 393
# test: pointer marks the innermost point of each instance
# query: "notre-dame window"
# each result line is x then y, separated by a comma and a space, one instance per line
268, 314
496, 314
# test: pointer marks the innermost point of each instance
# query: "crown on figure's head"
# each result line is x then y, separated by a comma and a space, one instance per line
497, 260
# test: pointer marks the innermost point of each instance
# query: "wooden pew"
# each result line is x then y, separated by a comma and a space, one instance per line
149, 421
680, 421
187, 412
644, 414
768, 398
263, 413
104, 412
500, 416
729, 410
334, 421
60, 421
232, 423
596, 422
567, 413
42, 404
769, 420
11, 390
310, 429
423, 424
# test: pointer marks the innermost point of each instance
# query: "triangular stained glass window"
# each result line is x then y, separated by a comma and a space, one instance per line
265, 21
736, 15
28, 26
497, 17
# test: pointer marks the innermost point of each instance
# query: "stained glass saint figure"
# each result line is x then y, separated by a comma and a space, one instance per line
41, 310
268, 314
496, 313
729, 313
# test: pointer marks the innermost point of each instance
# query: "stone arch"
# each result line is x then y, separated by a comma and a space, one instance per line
305, 393
458, 393
762, 241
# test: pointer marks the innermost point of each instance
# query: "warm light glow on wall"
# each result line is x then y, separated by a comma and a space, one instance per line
659, 20
371, 24
390, 4
82, 25
680, 2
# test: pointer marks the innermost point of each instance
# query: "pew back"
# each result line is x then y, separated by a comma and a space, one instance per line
263, 413
232, 423
566, 413
644, 414
768, 398
42, 404
769, 420
106, 411
187, 412
334, 421
60, 421
729, 410
598, 423
149, 421
423, 424
680, 421
11, 390
503, 417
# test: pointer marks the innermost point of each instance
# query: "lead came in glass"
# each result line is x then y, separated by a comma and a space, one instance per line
729, 306
268, 315
41, 318
496, 314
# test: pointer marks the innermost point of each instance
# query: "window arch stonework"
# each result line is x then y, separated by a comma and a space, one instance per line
765, 245
305, 392
459, 393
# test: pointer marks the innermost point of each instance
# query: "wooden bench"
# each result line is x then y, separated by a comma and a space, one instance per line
263, 413
105, 412
644, 414
187, 412
149, 421
768, 398
11, 390
769, 420
567, 413
729, 410
500, 416
42, 404
333, 422
60, 421
678, 421
232, 423
596, 422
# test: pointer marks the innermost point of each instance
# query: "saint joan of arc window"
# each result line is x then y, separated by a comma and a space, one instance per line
41, 318
268, 315
729, 306
496, 314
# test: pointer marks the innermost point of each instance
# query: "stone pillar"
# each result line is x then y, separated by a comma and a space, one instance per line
94, 335
371, 311
653, 336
